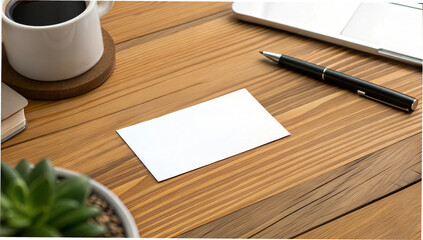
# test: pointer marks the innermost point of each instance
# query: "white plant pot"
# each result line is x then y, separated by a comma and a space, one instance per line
128, 223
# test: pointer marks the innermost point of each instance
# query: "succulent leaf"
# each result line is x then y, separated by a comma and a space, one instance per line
24, 169
41, 218
18, 220
86, 230
42, 168
7, 231
5, 201
76, 188
79, 215
41, 192
61, 207
42, 231
8, 175
5, 207
18, 191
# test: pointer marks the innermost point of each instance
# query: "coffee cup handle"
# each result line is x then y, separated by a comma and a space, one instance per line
104, 7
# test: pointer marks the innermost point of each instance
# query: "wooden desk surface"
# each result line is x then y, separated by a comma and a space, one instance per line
350, 169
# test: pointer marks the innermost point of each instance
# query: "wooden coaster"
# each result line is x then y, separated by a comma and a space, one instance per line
53, 90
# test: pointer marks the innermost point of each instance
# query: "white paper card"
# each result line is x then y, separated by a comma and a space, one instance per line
202, 134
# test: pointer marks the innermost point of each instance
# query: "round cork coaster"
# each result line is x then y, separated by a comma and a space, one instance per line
53, 90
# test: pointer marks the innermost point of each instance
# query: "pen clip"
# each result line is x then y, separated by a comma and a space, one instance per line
362, 93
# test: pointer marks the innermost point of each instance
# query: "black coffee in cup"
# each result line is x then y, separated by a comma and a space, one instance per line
43, 13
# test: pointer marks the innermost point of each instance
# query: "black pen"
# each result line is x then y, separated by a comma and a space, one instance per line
361, 87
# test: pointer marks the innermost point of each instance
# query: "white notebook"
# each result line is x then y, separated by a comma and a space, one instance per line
13, 119
196, 136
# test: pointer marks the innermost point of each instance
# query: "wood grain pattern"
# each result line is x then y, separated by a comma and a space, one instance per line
127, 22
176, 61
296, 210
396, 217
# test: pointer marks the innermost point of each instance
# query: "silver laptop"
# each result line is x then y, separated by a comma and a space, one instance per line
393, 30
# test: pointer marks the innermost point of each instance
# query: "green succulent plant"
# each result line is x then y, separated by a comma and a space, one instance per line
34, 203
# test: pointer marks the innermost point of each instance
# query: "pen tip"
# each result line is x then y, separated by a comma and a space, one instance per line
261, 52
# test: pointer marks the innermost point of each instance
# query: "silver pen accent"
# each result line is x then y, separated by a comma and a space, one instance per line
323, 73
361, 93
272, 56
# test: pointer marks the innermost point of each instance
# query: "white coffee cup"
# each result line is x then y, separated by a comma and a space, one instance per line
55, 52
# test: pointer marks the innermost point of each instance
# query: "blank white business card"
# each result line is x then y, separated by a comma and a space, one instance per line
196, 136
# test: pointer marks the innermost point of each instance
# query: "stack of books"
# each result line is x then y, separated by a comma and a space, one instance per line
13, 119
